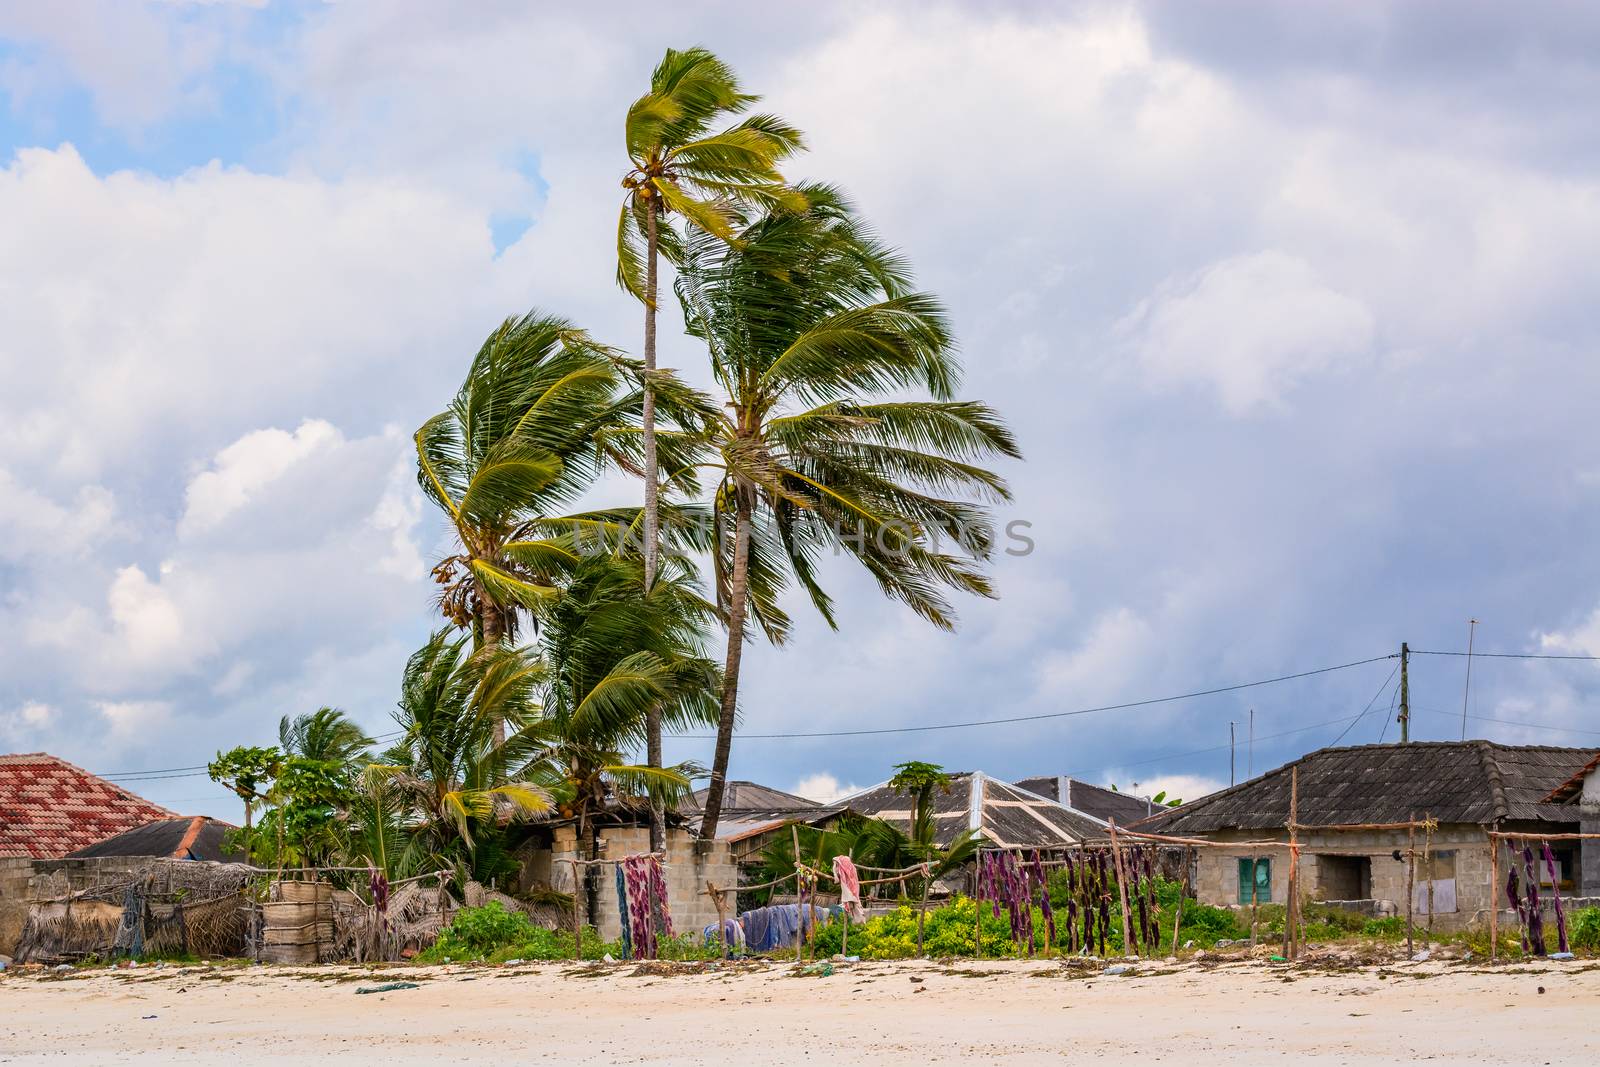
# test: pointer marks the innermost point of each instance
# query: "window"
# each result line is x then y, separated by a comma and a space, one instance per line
1344, 877
1441, 874
1255, 886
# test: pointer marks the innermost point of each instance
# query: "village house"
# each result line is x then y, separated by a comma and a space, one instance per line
1468, 788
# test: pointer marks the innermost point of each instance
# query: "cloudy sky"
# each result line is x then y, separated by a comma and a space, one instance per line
1286, 304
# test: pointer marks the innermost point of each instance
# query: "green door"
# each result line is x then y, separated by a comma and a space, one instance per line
1255, 881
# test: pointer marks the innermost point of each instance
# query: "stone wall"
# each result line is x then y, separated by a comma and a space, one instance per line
1217, 876
22, 880
688, 870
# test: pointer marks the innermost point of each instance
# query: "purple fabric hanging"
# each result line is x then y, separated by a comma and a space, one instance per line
1515, 897
1037, 871
1535, 915
648, 908
1555, 890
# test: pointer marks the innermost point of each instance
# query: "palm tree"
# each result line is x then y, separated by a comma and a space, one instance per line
520, 439
448, 768
612, 654
326, 734
678, 166
816, 338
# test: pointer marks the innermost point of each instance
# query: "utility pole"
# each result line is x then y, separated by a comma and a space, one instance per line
1405, 693
1231, 760
1472, 630
1250, 749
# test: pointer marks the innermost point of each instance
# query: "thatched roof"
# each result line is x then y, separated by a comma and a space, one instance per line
1476, 782
1005, 814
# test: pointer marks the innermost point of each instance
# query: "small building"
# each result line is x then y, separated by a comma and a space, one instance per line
50, 808
1006, 815
1467, 787
195, 837
752, 814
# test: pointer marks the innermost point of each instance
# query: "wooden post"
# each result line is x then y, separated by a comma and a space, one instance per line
1411, 880
1255, 896
1427, 864
1494, 899
577, 910
977, 906
799, 896
922, 914
1122, 890
1291, 911
1183, 891
722, 931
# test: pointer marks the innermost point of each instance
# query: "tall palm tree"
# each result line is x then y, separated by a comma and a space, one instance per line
519, 441
679, 166
327, 735
448, 769
820, 346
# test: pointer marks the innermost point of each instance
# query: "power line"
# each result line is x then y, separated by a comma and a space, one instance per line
1503, 655
155, 774
1052, 714
1368, 708
1219, 748
1514, 722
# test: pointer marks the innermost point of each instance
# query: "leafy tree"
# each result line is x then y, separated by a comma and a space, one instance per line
820, 346
679, 167
249, 772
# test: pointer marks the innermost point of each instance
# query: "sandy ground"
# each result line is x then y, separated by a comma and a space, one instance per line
1242, 1012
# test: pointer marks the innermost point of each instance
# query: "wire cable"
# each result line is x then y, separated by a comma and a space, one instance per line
1503, 655
1366, 709
1051, 714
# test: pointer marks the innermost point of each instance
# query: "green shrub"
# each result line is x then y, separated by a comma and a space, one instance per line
1388, 927
1584, 931
494, 935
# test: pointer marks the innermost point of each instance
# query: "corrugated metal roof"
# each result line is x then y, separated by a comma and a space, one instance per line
192, 838
751, 796
1005, 814
49, 808
1095, 801
1453, 781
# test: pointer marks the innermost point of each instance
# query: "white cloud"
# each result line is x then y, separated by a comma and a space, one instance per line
1583, 639
247, 466
33, 524
1184, 787
147, 624
134, 719
1106, 655
23, 725
823, 787
1252, 327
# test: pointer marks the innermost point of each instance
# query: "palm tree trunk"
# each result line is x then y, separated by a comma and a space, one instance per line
737, 588
658, 817
494, 630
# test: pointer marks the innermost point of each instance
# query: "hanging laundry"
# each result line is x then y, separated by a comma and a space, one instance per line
844, 872
624, 912
1555, 891
1535, 915
648, 911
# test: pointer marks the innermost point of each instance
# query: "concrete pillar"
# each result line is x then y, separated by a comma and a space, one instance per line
1589, 853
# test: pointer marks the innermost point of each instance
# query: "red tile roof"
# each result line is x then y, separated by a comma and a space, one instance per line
49, 808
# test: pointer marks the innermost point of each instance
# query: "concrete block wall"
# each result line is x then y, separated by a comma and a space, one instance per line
1217, 880
688, 870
